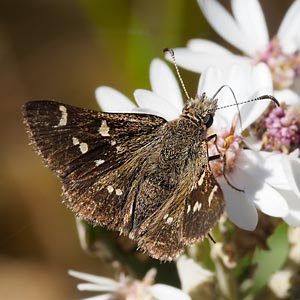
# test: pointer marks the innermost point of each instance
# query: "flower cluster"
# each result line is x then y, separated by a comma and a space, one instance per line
282, 129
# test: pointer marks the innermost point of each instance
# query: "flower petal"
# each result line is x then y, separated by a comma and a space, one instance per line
270, 162
111, 100
206, 46
192, 274
150, 100
240, 210
287, 96
197, 61
251, 21
293, 201
210, 81
224, 24
166, 292
94, 278
288, 32
237, 78
265, 197
260, 83
291, 166
95, 287
164, 83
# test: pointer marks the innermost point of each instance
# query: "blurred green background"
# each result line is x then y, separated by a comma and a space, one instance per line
63, 50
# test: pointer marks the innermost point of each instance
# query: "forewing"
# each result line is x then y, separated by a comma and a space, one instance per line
95, 154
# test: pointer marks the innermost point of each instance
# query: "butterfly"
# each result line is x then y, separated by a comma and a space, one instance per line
135, 173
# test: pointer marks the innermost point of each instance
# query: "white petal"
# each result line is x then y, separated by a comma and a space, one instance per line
96, 287
293, 201
287, 96
206, 46
164, 83
166, 292
111, 100
224, 24
289, 28
260, 83
268, 163
197, 61
240, 210
291, 168
265, 197
191, 274
252, 142
150, 100
251, 21
237, 78
210, 81
93, 278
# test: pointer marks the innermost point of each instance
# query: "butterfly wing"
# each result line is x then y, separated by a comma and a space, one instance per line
187, 215
95, 154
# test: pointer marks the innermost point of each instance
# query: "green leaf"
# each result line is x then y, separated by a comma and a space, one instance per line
269, 261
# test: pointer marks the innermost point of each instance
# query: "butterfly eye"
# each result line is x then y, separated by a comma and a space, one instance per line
208, 120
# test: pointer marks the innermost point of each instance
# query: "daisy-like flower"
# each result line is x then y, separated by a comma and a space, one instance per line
246, 30
127, 288
245, 170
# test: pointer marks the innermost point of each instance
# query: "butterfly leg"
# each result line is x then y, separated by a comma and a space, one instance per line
214, 137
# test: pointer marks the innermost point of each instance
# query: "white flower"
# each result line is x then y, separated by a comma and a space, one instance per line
294, 239
280, 283
165, 99
246, 30
246, 170
128, 288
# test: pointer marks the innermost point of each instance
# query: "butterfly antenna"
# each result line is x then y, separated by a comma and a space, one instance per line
171, 52
264, 97
233, 94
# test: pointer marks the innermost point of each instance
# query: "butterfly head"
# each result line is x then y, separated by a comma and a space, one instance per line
201, 110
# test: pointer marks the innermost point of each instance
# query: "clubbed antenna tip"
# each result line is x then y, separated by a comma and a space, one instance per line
171, 52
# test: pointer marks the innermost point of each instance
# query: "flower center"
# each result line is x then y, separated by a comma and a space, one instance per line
282, 129
284, 67
229, 144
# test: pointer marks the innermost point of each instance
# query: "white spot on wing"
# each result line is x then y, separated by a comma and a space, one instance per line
211, 195
119, 192
104, 129
197, 206
110, 189
200, 181
166, 216
188, 208
64, 116
99, 162
83, 147
113, 142
75, 141
169, 220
